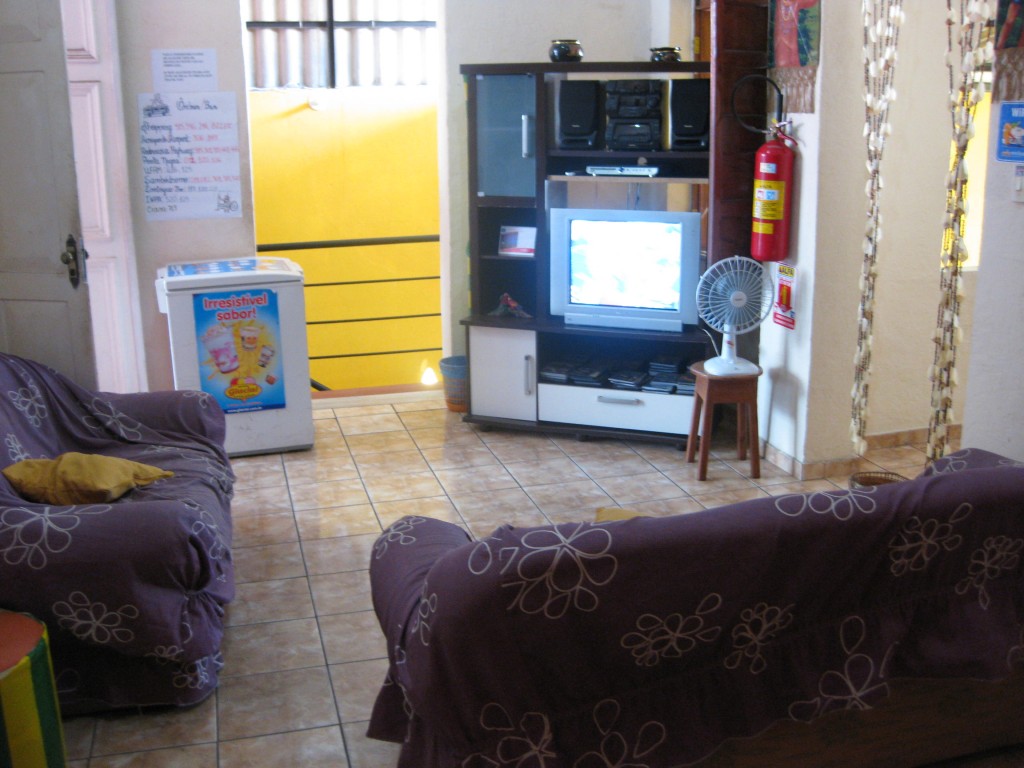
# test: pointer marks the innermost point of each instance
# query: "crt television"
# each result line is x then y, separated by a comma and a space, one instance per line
625, 268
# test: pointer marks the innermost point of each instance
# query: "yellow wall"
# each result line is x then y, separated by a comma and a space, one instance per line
345, 164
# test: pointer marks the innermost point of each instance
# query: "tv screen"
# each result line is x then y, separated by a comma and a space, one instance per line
625, 263
625, 268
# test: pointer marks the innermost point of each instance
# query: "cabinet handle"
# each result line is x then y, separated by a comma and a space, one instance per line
619, 400
529, 376
526, 135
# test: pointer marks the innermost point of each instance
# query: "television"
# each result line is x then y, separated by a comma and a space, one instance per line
625, 268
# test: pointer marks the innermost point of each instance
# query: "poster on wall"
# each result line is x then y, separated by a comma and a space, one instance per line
238, 338
190, 158
783, 313
1011, 132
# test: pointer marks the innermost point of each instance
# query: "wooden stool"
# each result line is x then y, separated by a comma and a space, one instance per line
710, 390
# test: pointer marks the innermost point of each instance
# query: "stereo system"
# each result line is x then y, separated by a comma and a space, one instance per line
630, 115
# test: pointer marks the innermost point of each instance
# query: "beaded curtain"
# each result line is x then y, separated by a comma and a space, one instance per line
882, 21
969, 51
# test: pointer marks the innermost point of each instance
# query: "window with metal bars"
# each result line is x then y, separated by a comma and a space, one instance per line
340, 43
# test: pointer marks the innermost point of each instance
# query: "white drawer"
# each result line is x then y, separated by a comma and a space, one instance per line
616, 408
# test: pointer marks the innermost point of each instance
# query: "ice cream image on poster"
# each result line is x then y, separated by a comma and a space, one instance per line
238, 335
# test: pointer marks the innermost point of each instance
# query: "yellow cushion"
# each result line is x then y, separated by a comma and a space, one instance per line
607, 514
79, 478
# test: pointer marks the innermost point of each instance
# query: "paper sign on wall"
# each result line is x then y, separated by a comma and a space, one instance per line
783, 312
190, 157
190, 70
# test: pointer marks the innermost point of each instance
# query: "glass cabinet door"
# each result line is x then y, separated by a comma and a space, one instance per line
506, 123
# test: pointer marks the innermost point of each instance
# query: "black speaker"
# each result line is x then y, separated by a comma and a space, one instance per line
579, 114
690, 113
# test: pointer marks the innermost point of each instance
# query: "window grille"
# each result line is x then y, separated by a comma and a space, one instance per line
339, 43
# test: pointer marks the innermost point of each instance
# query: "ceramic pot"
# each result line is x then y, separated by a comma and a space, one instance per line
565, 50
666, 54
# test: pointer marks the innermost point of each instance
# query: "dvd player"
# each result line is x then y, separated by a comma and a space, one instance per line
622, 170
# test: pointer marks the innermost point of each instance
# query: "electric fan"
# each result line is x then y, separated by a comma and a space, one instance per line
734, 296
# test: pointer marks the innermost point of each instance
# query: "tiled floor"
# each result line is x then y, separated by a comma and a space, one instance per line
304, 655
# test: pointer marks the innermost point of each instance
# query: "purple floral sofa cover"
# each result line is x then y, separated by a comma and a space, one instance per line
649, 642
132, 591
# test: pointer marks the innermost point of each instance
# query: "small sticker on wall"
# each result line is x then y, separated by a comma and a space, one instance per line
783, 312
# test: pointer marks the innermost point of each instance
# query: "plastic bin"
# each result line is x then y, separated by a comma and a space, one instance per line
453, 370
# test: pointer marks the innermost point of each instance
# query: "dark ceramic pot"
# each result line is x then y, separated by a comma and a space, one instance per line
565, 50
665, 54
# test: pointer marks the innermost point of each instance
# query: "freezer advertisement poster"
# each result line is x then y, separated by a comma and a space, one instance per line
238, 338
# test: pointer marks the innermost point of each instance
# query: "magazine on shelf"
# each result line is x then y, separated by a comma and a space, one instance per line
519, 242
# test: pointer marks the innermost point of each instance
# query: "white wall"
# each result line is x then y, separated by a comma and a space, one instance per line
158, 24
806, 400
500, 31
994, 412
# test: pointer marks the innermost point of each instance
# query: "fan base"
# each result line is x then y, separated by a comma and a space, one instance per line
737, 366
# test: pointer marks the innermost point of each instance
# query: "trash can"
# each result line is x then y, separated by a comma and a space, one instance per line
238, 332
31, 733
453, 370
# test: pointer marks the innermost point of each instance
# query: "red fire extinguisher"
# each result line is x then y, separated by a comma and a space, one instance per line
773, 194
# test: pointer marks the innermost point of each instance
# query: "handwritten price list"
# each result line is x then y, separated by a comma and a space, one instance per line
190, 161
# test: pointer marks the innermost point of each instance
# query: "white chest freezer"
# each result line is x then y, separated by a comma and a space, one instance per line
238, 332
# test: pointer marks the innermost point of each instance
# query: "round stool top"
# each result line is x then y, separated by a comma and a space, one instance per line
19, 634
697, 369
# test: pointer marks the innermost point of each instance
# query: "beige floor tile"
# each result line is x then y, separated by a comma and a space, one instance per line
266, 563
324, 448
432, 402
341, 592
450, 434
436, 506
364, 410
415, 485
361, 425
259, 530
459, 456
117, 732
490, 477
196, 756
365, 752
719, 478
78, 736
336, 493
391, 463
272, 647
575, 447
258, 602
523, 448
313, 748
257, 501
546, 471
650, 486
258, 471
345, 553
275, 702
336, 521
565, 497
429, 419
340, 466
356, 684
352, 637
770, 473
485, 511
379, 442
613, 464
